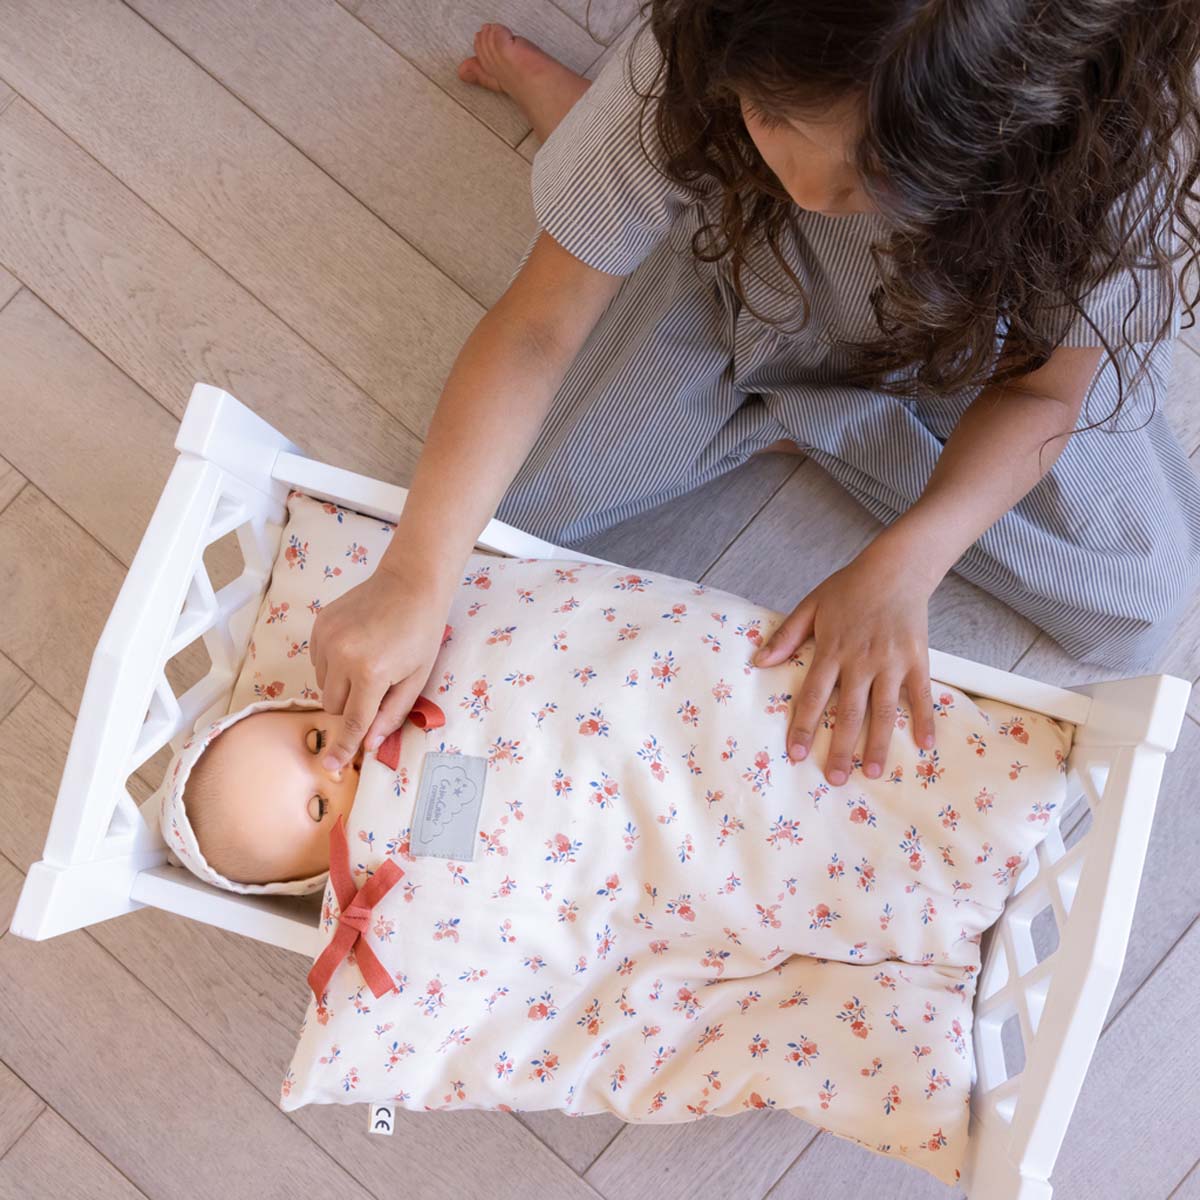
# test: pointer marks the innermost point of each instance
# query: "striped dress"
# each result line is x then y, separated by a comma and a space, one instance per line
678, 383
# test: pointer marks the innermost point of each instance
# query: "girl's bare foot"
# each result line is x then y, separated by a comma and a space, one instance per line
543, 88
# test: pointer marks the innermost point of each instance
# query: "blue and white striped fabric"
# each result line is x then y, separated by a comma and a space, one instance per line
678, 383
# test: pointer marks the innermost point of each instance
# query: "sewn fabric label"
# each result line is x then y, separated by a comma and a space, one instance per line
449, 800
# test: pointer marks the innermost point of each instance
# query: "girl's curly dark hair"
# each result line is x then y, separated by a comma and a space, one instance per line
999, 137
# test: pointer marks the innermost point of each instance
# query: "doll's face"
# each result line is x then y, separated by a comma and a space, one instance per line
276, 796
812, 159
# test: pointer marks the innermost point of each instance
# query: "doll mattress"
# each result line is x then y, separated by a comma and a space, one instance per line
599, 884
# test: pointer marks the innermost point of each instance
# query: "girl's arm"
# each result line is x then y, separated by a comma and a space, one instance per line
495, 400
990, 461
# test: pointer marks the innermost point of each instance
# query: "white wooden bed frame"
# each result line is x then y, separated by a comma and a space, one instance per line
104, 855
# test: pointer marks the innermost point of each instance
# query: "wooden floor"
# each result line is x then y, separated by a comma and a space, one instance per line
299, 201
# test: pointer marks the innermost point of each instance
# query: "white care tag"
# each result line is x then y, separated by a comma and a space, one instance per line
381, 1119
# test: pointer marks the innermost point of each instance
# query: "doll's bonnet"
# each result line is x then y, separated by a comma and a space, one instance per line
173, 819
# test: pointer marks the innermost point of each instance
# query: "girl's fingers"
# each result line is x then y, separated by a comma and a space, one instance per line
851, 708
920, 700
792, 631
333, 696
884, 695
809, 704
395, 706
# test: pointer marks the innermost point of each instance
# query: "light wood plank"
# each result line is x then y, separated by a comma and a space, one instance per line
19, 1107
578, 1141
172, 1115
11, 480
448, 186
435, 38
813, 527
53, 1160
7, 95
739, 1156
56, 592
1140, 1096
1189, 1188
14, 683
603, 19
360, 295
162, 312
9, 284
684, 537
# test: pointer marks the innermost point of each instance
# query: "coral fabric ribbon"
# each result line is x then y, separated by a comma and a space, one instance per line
355, 905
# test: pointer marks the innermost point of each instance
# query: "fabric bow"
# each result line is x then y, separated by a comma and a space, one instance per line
355, 905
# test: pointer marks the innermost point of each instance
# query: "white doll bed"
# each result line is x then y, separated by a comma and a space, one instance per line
1038, 1011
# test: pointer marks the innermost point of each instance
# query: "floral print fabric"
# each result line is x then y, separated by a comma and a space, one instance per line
663, 917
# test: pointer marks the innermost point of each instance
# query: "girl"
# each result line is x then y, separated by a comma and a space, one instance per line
909, 239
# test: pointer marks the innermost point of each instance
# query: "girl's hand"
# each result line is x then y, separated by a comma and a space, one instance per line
871, 625
373, 649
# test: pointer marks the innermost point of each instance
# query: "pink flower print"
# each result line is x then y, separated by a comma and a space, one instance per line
357, 554
525, 595
593, 723
928, 769
659, 946
330, 571
506, 934
678, 610
277, 613
490, 1002
296, 554
457, 873
861, 812
778, 702
866, 875
751, 631
584, 675
1006, 874
446, 929
794, 1000
502, 633
632, 583
827, 1092
295, 648
728, 826
477, 703
568, 605
626, 965
474, 608
472, 974
660, 1098
823, 916
504, 751
401, 845
976, 741
936, 1141
1040, 811
985, 852
686, 849
893, 1015
617, 1080
590, 1022
944, 703
628, 633
543, 712
784, 832
350, 1080
721, 691
269, 691
446, 683
663, 669
689, 757
559, 640
731, 936
686, 1003
885, 917
766, 916
626, 1008
1015, 769
504, 1067
534, 962
802, 1052
491, 842
541, 1008
949, 817
612, 885
605, 791
661, 1057
758, 776
710, 1034
581, 965
384, 928
609, 614
854, 1012
631, 679
630, 835
480, 579
754, 1100
544, 1067
308, 693
911, 845
1014, 728
759, 1045
984, 800
891, 1100
731, 884
568, 910
874, 1069
669, 817
456, 1037
712, 642
605, 938
651, 753
519, 678
562, 848
715, 959
433, 998
682, 908
957, 1038
567, 574
689, 713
